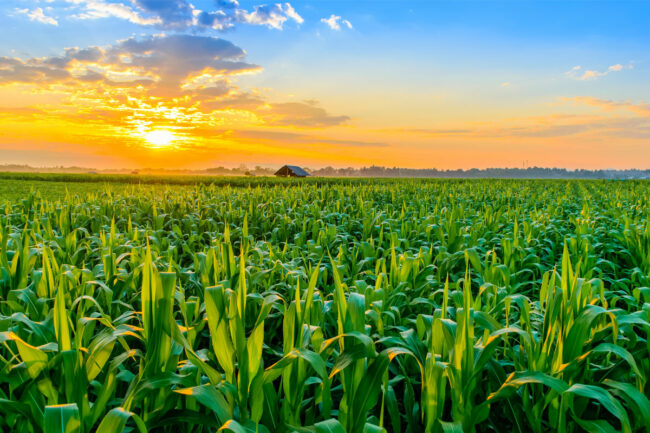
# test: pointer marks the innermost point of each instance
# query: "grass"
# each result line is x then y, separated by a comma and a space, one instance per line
319, 306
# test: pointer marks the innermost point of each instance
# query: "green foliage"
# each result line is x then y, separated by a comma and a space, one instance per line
326, 306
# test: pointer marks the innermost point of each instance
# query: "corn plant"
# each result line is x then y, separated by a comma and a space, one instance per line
355, 306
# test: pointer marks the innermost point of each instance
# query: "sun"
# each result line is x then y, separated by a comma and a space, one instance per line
159, 138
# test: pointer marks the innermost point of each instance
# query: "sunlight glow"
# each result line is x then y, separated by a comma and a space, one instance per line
160, 138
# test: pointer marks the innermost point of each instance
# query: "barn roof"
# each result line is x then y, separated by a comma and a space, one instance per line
297, 171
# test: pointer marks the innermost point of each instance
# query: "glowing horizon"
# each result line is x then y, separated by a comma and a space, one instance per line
197, 84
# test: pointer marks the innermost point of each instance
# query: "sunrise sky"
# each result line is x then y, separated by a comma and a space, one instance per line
439, 84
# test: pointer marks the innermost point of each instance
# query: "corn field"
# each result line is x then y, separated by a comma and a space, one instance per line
375, 306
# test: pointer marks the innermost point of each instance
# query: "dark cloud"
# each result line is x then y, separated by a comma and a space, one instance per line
31, 71
177, 55
47, 69
175, 58
163, 63
217, 20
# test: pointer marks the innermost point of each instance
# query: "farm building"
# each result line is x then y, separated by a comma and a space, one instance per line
291, 171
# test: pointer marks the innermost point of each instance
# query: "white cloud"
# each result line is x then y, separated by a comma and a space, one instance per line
181, 14
273, 16
291, 13
589, 74
38, 15
573, 71
94, 9
334, 22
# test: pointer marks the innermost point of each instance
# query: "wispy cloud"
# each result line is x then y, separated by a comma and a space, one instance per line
334, 22
641, 109
306, 114
603, 123
294, 137
578, 73
38, 15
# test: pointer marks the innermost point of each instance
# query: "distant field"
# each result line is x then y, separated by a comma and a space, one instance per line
13, 189
139, 179
14, 185
170, 180
323, 305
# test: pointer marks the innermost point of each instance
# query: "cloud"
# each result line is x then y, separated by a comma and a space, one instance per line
433, 131
291, 13
172, 13
542, 127
181, 14
38, 15
641, 109
306, 114
293, 137
217, 20
333, 22
272, 16
579, 74
34, 71
634, 123
227, 4
96, 9
168, 66
183, 82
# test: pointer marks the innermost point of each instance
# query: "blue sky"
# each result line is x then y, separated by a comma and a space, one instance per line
509, 73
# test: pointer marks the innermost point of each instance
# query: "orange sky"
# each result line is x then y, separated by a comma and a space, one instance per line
111, 125
179, 100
